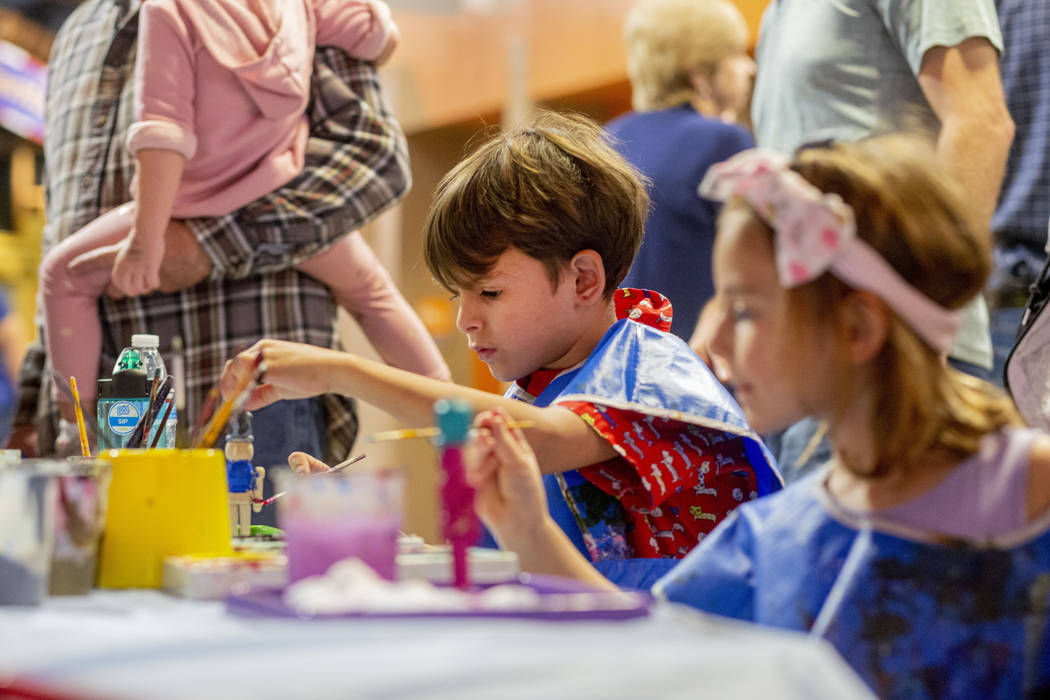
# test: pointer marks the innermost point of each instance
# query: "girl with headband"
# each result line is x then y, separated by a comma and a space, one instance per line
922, 550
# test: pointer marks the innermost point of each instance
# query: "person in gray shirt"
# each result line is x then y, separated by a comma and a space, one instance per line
842, 70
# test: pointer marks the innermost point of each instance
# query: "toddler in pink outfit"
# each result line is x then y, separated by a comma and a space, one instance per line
221, 89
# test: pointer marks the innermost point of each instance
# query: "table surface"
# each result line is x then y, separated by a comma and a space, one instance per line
139, 644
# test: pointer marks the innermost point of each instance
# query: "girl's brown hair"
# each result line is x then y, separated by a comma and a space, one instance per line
920, 221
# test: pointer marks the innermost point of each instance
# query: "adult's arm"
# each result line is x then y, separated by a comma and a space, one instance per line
561, 439
963, 87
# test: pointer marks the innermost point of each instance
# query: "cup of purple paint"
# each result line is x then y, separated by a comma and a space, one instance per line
330, 517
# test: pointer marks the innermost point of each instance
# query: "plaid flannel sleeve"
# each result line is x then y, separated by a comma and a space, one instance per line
356, 167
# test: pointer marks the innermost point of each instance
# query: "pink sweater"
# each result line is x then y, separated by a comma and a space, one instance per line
226, 83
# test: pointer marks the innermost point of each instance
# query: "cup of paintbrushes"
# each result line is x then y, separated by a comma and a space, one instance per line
148, 429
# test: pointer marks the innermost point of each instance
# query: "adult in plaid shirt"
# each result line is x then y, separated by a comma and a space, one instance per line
230, 282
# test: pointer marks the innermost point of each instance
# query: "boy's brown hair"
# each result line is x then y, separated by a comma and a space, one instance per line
550, 188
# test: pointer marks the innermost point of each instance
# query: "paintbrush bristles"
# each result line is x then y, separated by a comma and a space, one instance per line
234, 401
343, 465
206, 412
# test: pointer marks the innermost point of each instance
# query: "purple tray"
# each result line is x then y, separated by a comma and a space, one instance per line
605, 605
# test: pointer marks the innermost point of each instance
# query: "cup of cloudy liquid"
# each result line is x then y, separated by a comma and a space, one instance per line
330, 517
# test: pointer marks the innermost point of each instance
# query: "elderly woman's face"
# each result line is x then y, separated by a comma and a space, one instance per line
733, 80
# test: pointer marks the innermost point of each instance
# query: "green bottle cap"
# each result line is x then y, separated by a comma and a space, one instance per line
129, 359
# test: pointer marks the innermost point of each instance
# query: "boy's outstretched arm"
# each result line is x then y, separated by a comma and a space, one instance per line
510, 499
561, 439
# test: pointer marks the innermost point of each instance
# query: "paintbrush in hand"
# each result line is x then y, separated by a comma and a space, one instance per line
232, 403
331, 470
419, 433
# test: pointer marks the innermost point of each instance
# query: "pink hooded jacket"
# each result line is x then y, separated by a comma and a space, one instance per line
226, 83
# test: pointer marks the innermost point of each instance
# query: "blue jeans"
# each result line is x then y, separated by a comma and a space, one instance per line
7, 416
280, 429
971, 369
1005, 323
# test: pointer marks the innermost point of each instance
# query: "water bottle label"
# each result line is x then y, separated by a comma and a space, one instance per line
123, 417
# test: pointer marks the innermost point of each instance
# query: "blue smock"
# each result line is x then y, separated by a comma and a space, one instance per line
916, 615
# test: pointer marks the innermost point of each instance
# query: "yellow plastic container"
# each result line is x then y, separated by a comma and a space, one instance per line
162, 502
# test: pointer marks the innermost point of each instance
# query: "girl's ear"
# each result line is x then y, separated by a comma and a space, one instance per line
587, 273
867, 321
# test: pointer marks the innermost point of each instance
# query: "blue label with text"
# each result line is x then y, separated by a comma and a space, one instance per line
123, 417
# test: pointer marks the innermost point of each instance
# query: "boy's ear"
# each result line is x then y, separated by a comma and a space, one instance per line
587, 273
867, 323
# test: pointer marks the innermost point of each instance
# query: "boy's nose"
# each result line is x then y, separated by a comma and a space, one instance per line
466, 320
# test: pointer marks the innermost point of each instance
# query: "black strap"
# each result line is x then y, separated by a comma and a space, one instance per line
1038, 298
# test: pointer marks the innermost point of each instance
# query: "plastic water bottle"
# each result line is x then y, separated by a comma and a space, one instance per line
122, 401
144, 352
147, 344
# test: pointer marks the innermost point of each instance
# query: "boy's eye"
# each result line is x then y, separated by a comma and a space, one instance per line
454, 297
491, 293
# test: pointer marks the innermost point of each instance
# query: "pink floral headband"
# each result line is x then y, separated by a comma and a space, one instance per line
816, 232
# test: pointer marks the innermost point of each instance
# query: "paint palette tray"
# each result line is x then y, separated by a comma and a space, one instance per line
215, 577
434, 564
556, 599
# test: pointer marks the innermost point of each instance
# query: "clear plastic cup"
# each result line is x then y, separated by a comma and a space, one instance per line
330, 517
27, 525
82, 486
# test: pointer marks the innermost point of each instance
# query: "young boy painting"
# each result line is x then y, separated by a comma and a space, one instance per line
642, 449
